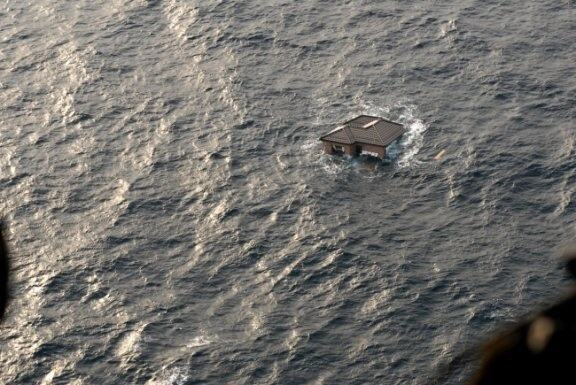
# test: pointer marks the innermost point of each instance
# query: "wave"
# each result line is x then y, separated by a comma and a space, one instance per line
180, 17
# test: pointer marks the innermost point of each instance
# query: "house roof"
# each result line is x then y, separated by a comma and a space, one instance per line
366, 129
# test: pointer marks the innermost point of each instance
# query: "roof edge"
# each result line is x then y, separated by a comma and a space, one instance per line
375, 117
360, 142
342, 128
392, 122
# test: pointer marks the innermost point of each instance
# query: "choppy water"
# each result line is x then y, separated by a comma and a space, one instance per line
173, 220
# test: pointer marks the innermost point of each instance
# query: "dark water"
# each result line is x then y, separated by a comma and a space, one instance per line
173, 220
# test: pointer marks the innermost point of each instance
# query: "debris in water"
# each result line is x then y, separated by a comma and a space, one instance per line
440, 155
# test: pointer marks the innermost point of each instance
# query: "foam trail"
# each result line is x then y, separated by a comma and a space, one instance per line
404, 151
413, 140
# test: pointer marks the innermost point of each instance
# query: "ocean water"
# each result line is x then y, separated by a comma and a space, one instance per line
173, 220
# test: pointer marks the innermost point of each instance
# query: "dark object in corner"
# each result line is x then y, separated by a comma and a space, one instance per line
363, 135
3, 274
539, 351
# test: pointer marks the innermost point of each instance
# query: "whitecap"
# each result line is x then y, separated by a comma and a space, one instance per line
199, 341
174, 376
129, 346
447, 28
56, 371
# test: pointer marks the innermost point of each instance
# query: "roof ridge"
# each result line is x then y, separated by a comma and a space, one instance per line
349, 133
377, 132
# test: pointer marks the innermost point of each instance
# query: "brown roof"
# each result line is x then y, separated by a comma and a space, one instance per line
366, 129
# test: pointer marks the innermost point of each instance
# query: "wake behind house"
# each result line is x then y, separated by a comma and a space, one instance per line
363, 135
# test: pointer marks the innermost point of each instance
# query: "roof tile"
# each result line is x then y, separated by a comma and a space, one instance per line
363, 129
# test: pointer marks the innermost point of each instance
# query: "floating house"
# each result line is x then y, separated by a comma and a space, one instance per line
363, 135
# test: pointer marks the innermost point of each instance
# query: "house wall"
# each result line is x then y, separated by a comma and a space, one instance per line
350, 149
381, 151
328, 148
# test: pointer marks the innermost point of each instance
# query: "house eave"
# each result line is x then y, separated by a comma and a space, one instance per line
358, 142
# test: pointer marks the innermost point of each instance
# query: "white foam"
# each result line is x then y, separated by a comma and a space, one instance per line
177, 376
198, 341
412, 142
311, 144
174, 376
405, 151
447, 28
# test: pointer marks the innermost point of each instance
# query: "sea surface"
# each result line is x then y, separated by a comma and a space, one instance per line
172, 218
